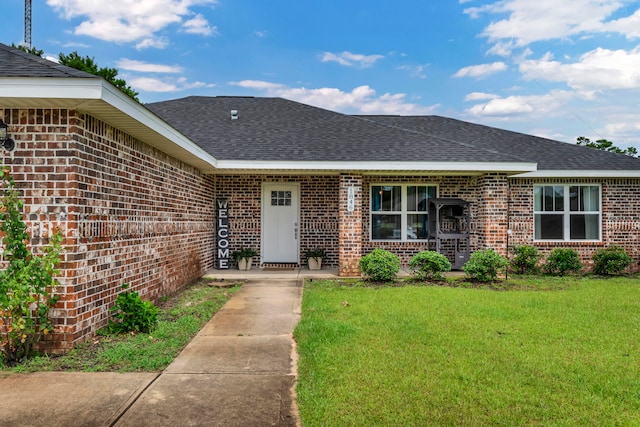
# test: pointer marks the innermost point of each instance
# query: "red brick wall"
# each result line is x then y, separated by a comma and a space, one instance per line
130, 213
350, 224
318, 211
491, 219
620, 216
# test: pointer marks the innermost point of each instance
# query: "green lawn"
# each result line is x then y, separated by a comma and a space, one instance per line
180, 318
441, 355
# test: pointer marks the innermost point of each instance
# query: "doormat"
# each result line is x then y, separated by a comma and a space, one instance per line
278, 269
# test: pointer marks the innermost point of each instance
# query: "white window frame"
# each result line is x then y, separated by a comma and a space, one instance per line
567, 212
403, 212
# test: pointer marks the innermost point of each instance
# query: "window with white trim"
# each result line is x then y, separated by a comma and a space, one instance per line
567, 212
400, 211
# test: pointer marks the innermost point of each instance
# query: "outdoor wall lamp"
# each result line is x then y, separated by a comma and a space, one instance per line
8, 143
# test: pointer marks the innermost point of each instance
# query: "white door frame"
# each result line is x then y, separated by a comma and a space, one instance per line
294, 232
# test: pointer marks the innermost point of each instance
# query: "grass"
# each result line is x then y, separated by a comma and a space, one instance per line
540, 351
180, 318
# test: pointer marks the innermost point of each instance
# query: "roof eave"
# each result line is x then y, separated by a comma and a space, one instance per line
377, 166
580, 174
102, 100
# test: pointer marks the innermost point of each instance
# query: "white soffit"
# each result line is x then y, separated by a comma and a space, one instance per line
96, 97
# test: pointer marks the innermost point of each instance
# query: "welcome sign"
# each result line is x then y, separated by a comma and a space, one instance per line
223, 234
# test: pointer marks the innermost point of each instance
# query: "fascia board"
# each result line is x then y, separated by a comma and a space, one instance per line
381, 166
53, 88
580, 174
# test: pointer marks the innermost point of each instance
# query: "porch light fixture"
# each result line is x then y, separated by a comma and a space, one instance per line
5, 141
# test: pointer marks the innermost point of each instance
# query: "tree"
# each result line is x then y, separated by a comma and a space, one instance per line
31, 50
605, 145
89, 65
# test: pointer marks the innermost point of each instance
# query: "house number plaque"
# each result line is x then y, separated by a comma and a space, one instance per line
351, 199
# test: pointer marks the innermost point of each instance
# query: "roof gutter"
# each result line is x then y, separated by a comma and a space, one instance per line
506, 167
580, 174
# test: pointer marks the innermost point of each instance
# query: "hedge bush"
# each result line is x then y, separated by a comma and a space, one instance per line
611, 261
484, 266
429, 265
525, 260
563, 261
380, 265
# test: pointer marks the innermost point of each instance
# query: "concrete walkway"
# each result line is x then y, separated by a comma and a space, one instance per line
239, 370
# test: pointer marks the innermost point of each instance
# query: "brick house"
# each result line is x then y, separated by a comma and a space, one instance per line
145, 193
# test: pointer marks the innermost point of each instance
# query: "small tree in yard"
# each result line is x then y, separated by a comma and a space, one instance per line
27, 283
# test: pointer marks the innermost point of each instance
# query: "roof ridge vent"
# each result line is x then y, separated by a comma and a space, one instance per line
234, 114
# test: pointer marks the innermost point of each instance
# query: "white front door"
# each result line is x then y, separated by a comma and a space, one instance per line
280, 223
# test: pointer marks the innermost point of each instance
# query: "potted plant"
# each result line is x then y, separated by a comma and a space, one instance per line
314, 258
244, 258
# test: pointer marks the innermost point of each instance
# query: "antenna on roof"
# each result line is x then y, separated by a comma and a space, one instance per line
27, 23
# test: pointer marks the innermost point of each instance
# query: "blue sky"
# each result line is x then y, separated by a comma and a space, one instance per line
553, 68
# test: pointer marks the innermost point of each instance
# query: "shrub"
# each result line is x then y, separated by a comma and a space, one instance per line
380, 265
562, 261
525, 260
132, 314
484, 266
27, 284
429, 265
611, 261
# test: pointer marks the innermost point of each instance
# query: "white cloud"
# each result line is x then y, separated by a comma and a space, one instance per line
531, 106
361, 100
145, 67
599, 69
155, 42
199, 25
481, 70
502, 49
510, 106
349, 59
480, 96
529, 21
416, 71
629, 26
151, 84
125, 21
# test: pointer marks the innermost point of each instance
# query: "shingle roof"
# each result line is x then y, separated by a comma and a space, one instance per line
279, 129
549, 154
15, 63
